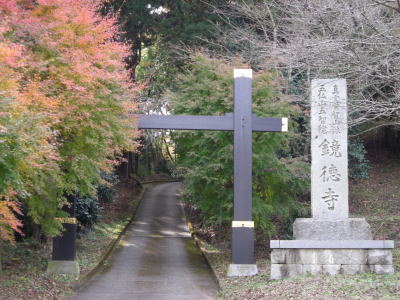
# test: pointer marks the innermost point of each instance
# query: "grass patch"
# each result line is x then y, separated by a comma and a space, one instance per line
24, 274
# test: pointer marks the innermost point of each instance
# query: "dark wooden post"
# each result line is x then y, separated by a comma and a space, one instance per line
242, 226
64, 246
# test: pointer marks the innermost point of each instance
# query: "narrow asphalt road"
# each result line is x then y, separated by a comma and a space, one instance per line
156, 258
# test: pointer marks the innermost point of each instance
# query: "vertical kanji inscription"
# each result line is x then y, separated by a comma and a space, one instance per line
329, 149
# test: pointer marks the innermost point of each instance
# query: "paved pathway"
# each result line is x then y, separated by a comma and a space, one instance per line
156, 259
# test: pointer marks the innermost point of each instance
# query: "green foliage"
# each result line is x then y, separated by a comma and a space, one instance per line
205, 88
65, 100
88, 211
106, 191
178, 22
358, 164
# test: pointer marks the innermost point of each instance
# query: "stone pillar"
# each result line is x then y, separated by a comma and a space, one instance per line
64, 246
330, 242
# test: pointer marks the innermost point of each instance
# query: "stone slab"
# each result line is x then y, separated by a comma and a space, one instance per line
319, 256
332, 244
382, 269
354, 269
329, 171
344, 229
294, 270
332, 256
236, 270
312, 269
278, 271
289, 263
279, 256
380, 257
63, 267
331, 269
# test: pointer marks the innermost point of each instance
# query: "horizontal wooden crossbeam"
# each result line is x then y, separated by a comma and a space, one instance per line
186, 122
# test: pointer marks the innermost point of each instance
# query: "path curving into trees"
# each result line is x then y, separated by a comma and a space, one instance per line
157, 258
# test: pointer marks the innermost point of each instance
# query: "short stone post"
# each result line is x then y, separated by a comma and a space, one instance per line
330, 242
64, 246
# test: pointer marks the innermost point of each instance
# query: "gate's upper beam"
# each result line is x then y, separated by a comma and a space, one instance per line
186, 122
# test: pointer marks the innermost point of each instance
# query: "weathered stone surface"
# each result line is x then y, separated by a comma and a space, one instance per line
278, 256
323, 256
354, 269
312, 269
307, 256
294, 270
329, 179
349, 256
331, 269
345, 229
380, 257
278, 271
331, 244
242, 270
63, 267
382, 269
292, 256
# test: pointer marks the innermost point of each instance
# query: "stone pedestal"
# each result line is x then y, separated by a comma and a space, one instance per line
330, 247
70, 267
345, 229
242, 270
296, 262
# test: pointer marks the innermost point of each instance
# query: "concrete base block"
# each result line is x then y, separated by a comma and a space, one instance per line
312, 269
279, 271
382, 269
354, 269
287, 263
279, 256
331, 269
294, 270
380, 257
346, 229
322, 256
63, 267
242, 270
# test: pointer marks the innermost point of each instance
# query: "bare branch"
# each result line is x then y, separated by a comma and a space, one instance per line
358, 40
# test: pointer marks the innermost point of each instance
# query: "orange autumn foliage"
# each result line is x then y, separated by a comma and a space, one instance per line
8, 221
65, 98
